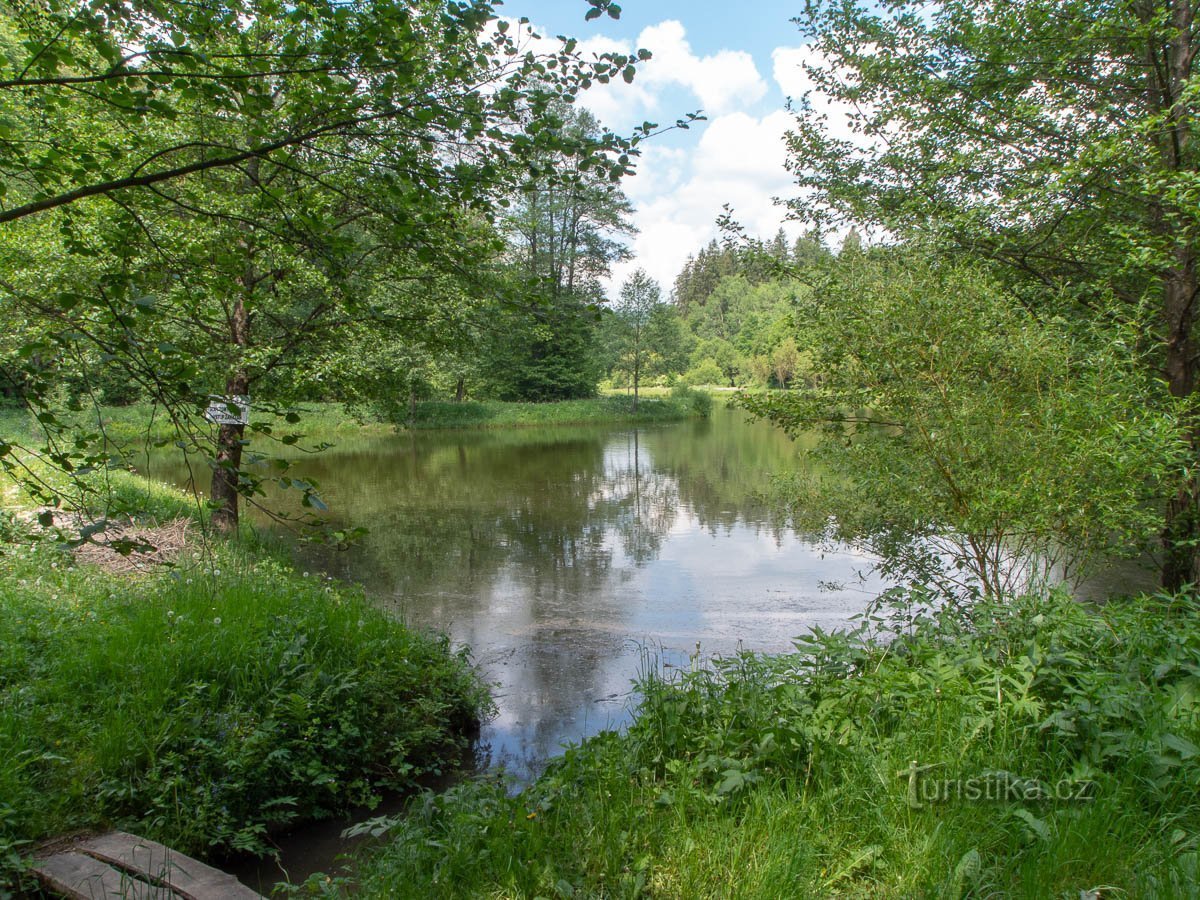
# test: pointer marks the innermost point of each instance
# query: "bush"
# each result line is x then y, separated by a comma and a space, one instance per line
833, 772
699, 402
705, 372
207, 705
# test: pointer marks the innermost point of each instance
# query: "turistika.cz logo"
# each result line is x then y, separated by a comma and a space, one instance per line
990, 787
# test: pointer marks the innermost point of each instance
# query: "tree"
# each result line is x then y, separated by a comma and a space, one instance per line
722, 355
1056, 139
202, 192
640, 298
987, 453
563, 236
785, 361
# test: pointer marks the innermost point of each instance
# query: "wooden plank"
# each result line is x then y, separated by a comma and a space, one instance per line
189, 878
82, 877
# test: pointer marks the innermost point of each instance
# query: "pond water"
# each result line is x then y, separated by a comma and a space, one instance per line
570, 559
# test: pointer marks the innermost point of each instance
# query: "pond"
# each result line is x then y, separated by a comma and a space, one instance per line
571, 559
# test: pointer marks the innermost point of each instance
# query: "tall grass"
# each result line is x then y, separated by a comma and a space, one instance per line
207, 704
681, 405
142, 423
1036, 750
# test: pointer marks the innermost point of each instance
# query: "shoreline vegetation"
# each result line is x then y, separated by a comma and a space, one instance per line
210, 703
614, 409
1037, 748
1030, 747
141, 423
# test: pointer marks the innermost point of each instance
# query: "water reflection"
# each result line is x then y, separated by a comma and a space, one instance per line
564, 558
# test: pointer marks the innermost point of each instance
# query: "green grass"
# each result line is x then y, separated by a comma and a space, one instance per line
141, 422
207, 704
616, 409
135, 426
788, 776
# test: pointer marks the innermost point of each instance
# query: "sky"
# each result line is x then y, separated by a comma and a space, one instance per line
737, 63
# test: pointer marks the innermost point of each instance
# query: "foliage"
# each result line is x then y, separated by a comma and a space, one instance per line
1059, 140
638, 307
288, 162
997, 449
618, 409
563, 237
794, 775
209, 704
736, 307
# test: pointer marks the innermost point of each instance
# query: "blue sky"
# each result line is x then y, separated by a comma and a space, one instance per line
757, 26
737, 62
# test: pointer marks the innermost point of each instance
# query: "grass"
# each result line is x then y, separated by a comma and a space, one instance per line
141, 422
207, 704
792, 776
616, 409
137, 425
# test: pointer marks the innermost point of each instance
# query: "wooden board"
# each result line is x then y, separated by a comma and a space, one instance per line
189, 878
124, 865
81, 877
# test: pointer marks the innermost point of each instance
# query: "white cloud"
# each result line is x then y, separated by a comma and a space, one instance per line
735, 158
739, 161
723, 82
796, 83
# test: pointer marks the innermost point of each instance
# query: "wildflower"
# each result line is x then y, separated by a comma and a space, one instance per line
217, 620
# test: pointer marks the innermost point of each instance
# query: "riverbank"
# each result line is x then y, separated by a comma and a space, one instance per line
611, 410
1040, 749
140, 425
209, 703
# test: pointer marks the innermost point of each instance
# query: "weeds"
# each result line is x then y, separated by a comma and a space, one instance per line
1035, 749
209, 703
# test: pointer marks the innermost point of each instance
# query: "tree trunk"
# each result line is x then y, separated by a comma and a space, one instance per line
460, 391
227, 470
412, 405
636, 376
1181, 534
224, 492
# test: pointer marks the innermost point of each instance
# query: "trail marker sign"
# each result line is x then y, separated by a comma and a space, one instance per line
228, 410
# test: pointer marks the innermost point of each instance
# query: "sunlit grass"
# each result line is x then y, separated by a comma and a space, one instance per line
789, 776
206, 703
613, 409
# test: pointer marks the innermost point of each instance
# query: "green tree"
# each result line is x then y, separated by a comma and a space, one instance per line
785, 361
639, 300
985, 453
201, 192
1058, 139
720, 354
563, 237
